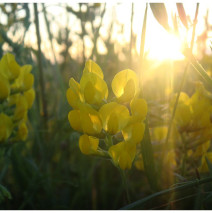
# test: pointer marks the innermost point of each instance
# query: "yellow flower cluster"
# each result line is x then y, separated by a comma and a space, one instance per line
16, 98
119, 122
193, 121
193, 114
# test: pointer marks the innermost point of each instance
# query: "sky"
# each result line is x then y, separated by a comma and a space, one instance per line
159, 44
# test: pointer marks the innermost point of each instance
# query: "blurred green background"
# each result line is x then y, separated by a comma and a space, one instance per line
48, 171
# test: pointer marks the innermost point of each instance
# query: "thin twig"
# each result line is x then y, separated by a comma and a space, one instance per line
39, 58
143, 38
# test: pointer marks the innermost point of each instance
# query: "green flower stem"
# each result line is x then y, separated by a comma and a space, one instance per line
183, 168
185, 186
102, 154
13, 92
124, 180
109, 140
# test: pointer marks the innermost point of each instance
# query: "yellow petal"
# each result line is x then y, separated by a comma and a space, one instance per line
9, 66
25, 80
6, 127
90, 93
27, 77
30, 97
90, 120
160, 133
129, 92
91, 66
124, 83
125, 161
4, 87
134, 132
22, 132
21, 108
73, 94
123, 154
98, 91
183, 99
88, 144
118, 112
182, 115
113, 124
115, 151
138, 108
75, 120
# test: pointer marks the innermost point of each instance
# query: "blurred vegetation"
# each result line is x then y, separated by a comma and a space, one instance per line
48, 171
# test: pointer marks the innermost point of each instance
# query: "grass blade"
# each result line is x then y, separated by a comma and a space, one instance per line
182, 14
148, 158
191, 184
160, 13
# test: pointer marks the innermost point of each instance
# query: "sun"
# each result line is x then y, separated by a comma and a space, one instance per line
164, 46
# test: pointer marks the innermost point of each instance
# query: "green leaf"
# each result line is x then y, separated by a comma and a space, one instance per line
160, 13
148, 158
4, 193
182, 14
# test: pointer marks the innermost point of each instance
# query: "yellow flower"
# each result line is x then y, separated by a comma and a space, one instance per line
30, 97
75, 120
201, 111
73, 94
6, 127
21, 108
183, 116
160, 133
139, 164
25, 80
4, 87
90, 120
92, 85
183, 99
86, 120
22, 132
123, 154
114, 117
134, 132
193, 114
125, 85
97, 119
92, 67
94, 88
138, 108
88, 145
9, 67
